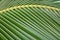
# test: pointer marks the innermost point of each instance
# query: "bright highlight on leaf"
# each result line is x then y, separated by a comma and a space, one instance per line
57, 2
30, 22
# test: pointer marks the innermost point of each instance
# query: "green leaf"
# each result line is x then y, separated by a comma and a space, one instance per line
30, 22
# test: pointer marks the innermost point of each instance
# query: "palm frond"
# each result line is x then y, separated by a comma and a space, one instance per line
30, 22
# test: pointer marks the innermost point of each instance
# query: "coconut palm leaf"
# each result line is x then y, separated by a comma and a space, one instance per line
30, 22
